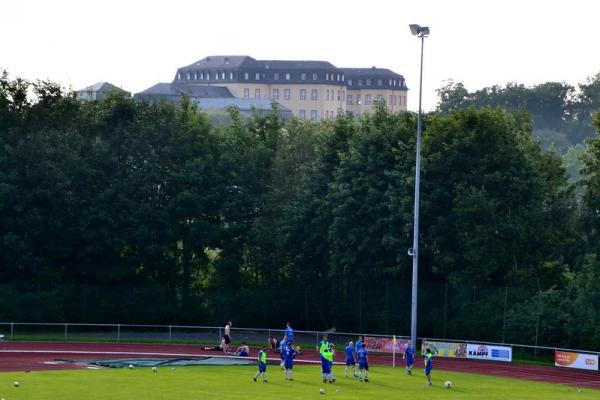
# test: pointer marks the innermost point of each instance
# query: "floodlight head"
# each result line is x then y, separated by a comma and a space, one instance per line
418, 30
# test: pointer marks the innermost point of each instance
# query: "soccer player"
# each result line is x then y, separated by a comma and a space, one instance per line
360, 342
323, 345
326, 363
289, 355
350, 362
282, 347
329, 356
363, 364
262, 364
289, 332
409, 357
428, 365
243, 350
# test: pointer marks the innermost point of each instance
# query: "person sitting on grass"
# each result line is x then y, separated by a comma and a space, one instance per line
221, 347
243, 350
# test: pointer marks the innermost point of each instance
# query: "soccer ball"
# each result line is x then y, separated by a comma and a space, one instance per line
153, 369
16, 383
447, 384
322, 391
130, 366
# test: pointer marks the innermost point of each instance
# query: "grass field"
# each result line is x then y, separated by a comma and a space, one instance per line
235, 382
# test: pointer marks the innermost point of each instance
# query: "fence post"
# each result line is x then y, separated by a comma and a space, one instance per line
445, 308
66, 334
118, 333
505, 307
170, 333
12, 330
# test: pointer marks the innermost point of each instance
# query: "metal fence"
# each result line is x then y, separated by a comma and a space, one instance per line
211, 335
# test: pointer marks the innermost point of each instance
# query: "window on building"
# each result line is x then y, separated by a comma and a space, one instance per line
358, 101
202, 76
275, 94
223, 75
327, 94
195, 76
349, 82
303, 76
302, 94
287, 94
338, 96
276, 76
231, 76
379, 97
360, 82
188, 76
314, 94
246, 76
216, 76
343, 95
379, 82
315, 76
302, 114
257, 93
287, 76
257, 76
368, 82
313, 115
349, 99
327, 76
338, 77
367, 99
390, 84
326, 114
394, 82
246, 93
179, 75
342, 77
391, 100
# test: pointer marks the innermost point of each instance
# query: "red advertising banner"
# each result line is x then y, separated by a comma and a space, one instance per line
385, 345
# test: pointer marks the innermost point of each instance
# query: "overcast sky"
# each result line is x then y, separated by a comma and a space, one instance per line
135, 44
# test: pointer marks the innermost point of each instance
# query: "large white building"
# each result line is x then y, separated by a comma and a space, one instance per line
312, 90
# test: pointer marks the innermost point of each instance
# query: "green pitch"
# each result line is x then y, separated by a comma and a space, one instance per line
235, 382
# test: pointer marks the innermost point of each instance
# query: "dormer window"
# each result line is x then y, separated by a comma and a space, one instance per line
349, 82
276, 76
257, 76
287, 76
303, 76
368, 82
246, 76
314, 76
379, 82
179, 76
231, 76
188, 76
196, 76
223, 75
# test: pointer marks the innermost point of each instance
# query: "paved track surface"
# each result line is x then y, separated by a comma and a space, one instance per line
34, 356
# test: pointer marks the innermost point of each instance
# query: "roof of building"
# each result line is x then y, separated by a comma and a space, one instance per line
102, 87
222, 62
174, 89
374, 74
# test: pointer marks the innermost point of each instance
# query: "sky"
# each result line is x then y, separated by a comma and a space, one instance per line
135, 44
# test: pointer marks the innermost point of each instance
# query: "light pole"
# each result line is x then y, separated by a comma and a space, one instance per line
422, 32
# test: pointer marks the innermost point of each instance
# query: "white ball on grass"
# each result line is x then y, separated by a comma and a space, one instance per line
447, 384
153, 369
130, 366
16, 383
322, 391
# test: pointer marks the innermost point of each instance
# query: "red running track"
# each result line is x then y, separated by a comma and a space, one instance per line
29, 356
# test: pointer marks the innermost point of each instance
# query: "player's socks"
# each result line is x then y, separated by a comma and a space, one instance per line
346, 371
290, 376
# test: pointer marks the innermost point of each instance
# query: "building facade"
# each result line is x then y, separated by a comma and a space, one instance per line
311, 90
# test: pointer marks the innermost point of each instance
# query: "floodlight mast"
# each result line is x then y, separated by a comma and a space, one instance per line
421, 32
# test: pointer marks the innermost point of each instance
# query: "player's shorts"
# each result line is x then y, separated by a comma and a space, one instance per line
282, 355
363, 365
227, 339
409, 361
428, 369
289, 364
350, 361
262, 367
243, 354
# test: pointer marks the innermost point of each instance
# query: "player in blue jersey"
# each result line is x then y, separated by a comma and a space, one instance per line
282, 347
409, 357
350, 362
427, 358
262, 364
289, 332
360, 343
288, 359
363, 364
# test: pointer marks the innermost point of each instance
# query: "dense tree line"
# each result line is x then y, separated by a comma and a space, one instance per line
118, 211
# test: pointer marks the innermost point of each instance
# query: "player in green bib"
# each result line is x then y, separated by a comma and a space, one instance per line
262, 364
